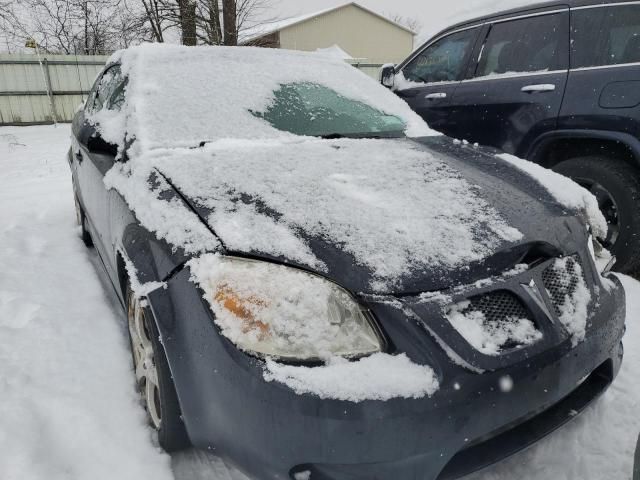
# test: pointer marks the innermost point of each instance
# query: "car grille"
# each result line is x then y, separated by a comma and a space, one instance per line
562, 281
498, 306
503, 312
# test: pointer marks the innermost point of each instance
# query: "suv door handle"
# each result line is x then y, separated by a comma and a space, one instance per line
540, 87
78, 156
434, 96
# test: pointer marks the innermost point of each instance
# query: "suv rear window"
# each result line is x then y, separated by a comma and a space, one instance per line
531, 44
608, 35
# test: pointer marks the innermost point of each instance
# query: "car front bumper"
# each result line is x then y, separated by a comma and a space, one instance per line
270, 432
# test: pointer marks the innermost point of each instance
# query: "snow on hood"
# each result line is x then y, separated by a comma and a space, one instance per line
180, 96
393, 207
565, 191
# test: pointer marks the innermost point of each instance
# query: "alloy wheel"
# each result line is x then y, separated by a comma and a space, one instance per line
144, 361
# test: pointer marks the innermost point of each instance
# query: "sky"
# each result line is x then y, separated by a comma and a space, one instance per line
434, 15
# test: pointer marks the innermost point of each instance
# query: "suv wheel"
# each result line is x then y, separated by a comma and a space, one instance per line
616, 187
153, 378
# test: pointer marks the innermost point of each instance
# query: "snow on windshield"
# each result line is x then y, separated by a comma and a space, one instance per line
180, 96
394, 207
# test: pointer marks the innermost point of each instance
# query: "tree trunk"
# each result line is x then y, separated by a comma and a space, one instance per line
211, 22
229, 19
188, 21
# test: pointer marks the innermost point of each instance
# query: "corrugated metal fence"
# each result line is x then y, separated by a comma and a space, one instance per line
36, 89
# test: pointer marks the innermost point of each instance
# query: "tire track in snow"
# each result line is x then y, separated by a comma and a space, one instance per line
68, 409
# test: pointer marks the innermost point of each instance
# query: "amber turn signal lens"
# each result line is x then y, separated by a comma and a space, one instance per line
242, 308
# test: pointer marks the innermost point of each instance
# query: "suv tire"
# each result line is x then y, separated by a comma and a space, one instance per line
606, 177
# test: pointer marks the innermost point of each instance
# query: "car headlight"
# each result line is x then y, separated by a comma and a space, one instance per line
279, 311
601, 256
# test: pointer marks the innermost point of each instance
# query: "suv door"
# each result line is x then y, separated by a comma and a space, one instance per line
93, 158
604, 82
514, 91
428, 80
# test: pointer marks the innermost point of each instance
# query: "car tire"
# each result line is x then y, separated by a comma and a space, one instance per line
606, 177
153, 377
81, 220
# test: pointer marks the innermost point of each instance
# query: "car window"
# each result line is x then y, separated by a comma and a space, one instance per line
605, 36
443, 60
108, 92
117, 98
530, 44
315, 110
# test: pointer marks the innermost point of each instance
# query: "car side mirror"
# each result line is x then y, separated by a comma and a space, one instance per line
387, 75
97, 144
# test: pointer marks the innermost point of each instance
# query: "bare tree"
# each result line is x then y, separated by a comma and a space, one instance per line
187, 12
412, 24
217, 22
229, 19
209, 22
72, 26
101, 26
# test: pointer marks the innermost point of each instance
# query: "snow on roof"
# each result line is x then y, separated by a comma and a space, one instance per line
335, 51
257, 31
180, 96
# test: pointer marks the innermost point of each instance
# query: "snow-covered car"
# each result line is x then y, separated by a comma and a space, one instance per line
318, 284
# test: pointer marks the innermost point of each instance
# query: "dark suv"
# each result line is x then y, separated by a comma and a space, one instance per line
556, 83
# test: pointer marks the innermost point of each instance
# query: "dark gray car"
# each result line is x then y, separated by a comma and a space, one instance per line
316, 283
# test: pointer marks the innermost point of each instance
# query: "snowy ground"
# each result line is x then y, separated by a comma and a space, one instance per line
68, 409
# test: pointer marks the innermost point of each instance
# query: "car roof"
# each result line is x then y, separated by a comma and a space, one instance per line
531, 8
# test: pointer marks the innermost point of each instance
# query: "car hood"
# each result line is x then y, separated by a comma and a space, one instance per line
376, 216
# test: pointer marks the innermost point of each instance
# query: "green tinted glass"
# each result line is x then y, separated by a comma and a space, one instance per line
311, 109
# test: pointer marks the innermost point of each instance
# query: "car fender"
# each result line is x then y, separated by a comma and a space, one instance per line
625, 139
153, 260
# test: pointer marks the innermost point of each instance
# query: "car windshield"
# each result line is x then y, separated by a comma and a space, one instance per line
311, 109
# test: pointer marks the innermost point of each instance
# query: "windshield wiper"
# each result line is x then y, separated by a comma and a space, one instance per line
333, 136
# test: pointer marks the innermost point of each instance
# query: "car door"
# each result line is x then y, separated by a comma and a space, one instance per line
514, 91
603, 89
427, 81
94, 157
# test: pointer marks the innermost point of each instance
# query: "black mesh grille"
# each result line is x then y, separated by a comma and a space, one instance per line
498, 306
561, 281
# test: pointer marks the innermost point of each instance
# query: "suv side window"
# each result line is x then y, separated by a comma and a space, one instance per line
108, 92
532, 44
603, 36
442, 61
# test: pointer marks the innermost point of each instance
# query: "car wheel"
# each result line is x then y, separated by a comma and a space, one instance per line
81, 220
617, 188
153, 378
